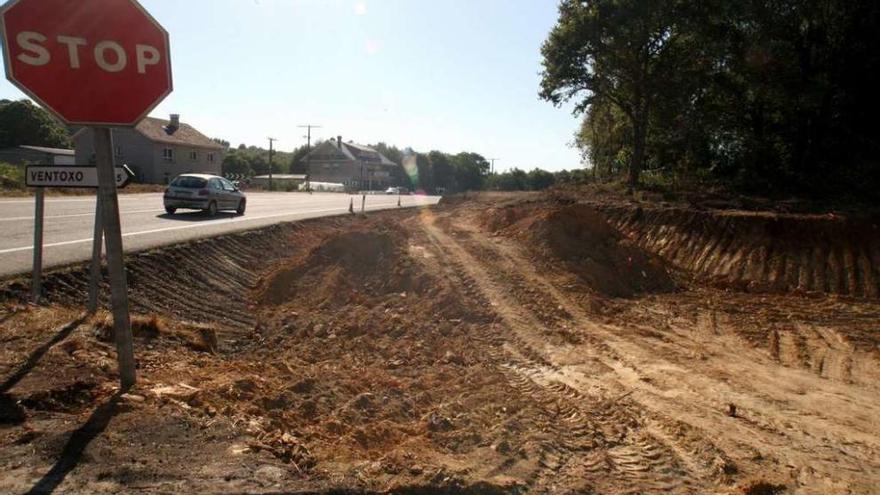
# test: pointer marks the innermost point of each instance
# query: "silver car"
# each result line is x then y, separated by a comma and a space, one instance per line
205, 192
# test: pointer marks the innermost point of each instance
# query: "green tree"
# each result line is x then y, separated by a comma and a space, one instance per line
235, 162
298, 164
624, 52
603, 138
425, 173
23, 123
444, 172
513, 180
470, 170
539, 180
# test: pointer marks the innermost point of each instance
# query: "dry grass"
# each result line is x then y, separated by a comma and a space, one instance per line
197, 336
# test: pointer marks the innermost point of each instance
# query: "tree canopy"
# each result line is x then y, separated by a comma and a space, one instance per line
253, 160
23, 123
435, 170
772, 97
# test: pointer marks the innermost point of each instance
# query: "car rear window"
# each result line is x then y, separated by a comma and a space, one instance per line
189, 182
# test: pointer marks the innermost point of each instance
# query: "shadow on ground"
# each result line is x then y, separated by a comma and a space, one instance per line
76, 445
197, 216
38, 354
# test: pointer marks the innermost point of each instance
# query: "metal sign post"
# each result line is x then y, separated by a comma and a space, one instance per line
115, 263
37, 273
95, 275
111, 90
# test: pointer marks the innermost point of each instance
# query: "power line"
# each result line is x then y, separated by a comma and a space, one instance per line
492, 166
308, 137
271, 140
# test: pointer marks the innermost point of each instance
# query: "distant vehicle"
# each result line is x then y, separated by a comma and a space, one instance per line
396, 190
205, 192
323, 186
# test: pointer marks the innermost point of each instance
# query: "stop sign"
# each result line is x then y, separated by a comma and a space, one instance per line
90, 62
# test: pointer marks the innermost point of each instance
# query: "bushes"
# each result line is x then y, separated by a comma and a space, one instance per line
536, 180
11, 177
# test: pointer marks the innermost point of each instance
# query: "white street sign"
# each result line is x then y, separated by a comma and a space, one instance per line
66, 176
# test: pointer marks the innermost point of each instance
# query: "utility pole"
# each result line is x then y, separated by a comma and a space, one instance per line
492, 166
271, 140
308, 137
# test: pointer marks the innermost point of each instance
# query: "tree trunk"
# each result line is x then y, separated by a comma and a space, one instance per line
638, 157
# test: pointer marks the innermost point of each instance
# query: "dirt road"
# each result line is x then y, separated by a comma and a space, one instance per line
487, 346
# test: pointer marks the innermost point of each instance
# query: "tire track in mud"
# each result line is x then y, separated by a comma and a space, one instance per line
551, 454
762, 433
825, 352
767, 253
606, 444
764, 407
203, 281
831, 356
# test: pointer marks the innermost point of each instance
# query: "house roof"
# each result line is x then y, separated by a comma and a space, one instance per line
51, 151
156, 130
353, 152
359, 150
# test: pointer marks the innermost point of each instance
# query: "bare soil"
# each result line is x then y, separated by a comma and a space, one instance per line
497, 344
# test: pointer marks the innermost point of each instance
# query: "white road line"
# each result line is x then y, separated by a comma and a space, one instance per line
31, 217
197, 225
66, 200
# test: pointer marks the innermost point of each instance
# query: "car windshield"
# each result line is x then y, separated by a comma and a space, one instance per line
189, 182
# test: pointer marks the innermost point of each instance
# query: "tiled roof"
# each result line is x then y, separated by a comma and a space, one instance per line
353, 152
157, 131
366, 151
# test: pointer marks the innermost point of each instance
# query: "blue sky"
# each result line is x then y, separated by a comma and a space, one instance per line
452, 75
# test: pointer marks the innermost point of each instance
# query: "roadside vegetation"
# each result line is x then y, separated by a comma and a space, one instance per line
11, 177
23, 123
772, 98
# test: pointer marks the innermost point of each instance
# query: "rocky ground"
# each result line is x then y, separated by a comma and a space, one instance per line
497, 344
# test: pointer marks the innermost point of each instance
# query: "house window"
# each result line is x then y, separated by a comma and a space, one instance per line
210, 157
168, 154
193, 156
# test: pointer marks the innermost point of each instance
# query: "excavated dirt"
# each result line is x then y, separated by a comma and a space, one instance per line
579, 238
496, 344
761, 252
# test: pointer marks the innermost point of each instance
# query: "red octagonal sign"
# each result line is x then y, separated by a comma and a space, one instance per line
91, 62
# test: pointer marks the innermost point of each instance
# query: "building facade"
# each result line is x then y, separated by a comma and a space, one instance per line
37, 155
157, 150
355, 166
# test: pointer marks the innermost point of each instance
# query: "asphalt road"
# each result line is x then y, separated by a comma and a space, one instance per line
69, 222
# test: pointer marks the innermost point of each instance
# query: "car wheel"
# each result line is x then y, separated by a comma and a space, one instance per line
170, 210
241, 206
212, 209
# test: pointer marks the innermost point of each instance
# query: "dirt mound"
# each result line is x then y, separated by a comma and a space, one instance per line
347, 267
581, 238
762, 252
